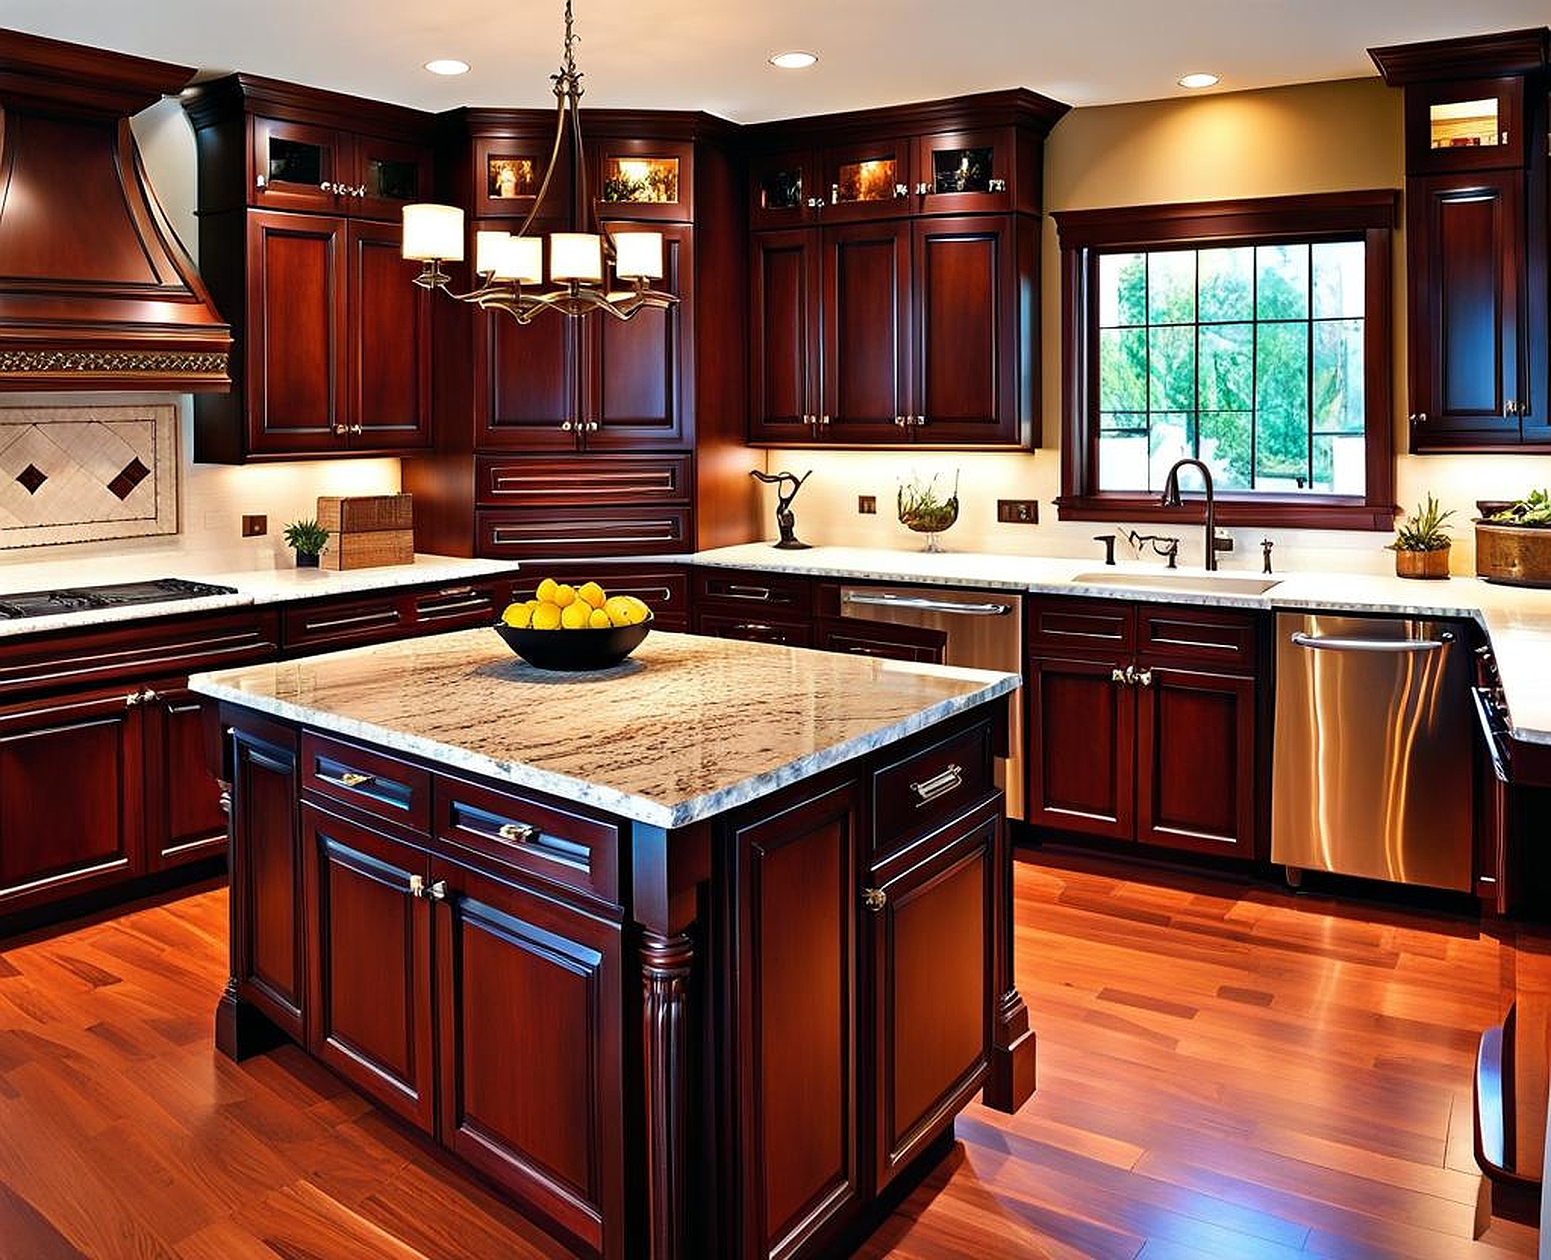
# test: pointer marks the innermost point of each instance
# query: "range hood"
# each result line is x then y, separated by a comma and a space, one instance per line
96, 292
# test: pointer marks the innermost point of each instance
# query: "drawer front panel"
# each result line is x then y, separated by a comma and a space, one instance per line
332, 623
1196, 636
664, 591
456, 607
748, 589
540, 533
597, 479
376, 784
1081, 625
931, 786
753, 627
537, 837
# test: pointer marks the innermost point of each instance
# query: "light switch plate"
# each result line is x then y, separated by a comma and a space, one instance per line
867, 504
1018, 511
255, 526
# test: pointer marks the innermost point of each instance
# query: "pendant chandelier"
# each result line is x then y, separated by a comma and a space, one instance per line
510, 266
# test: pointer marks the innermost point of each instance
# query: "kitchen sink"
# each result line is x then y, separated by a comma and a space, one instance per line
1199, 583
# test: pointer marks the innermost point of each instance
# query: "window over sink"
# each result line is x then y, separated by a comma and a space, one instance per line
1251, 335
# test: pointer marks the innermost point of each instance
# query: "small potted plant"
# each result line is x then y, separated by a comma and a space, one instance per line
307, 539
1422, 544
1513, 542
921, 508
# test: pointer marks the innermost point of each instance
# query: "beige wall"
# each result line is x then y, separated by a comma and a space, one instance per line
1311, 138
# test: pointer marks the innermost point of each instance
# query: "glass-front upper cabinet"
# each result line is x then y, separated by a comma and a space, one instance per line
1466, 125
965, 172
388, 175
298, 166
509, 169
785, 189
643, 179
869, 181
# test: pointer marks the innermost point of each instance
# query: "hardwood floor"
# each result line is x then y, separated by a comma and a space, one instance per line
1226, 1073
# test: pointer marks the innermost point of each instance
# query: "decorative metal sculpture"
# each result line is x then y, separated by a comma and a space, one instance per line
785, 520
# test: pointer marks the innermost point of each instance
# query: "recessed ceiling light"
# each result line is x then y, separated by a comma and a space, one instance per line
447, 65
793, 60
1199, 79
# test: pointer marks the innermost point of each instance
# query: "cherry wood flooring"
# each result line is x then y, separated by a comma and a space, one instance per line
1226, 1073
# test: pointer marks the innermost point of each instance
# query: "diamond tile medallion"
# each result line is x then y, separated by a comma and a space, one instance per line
80, 474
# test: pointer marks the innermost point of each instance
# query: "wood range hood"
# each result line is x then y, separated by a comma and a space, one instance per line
96, 292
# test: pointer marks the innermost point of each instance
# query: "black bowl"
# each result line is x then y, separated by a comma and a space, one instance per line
574, 650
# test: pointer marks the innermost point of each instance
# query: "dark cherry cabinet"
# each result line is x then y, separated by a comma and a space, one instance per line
865, 317
185, 820
388, 339
1143, 723
785, 283
311, 167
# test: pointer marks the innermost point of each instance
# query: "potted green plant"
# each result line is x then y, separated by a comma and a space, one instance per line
1513, 543
1422, 543
307, 539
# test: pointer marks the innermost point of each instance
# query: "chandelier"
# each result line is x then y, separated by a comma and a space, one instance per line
510, 266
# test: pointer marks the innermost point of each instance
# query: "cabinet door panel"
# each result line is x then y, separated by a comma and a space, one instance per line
70, 798
296, 166
267, 881
184, 818
932, 970
296, 333
1466, 253
866, 322
1082, 735
531, 991
636, 369
796, 1019
369, 963
785, 277
966, 284
391, 174
1195, 785
390, 342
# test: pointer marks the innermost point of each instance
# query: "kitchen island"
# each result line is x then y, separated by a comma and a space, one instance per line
696, 956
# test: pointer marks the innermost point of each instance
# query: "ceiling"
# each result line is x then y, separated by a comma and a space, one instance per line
710, 54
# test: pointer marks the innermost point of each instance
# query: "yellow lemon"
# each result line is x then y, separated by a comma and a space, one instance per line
574, 616
618, 610
519, 615
546, 591
565, 595
635, 610
591, 594
598, 620
546, 617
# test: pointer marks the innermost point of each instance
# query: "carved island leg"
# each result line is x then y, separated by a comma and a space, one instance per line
240, 1031
666, 962
1012, 1040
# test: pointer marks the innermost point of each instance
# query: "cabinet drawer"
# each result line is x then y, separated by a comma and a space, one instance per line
664, 591
340, 622
766, 590
455, 607
1081, 625
545, 532
931, 785
754, 627
529, 835
376, 784
1196, 636
596, 479
891, 641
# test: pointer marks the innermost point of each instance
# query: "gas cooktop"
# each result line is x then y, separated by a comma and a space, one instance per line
114, 595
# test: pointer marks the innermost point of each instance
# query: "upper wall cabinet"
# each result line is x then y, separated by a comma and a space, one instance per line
894, 275
1476, 232
300, 195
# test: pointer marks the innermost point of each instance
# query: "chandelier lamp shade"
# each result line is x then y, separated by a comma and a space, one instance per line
510, 266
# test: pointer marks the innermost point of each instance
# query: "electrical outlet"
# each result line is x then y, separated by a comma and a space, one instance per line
1018, 511
255, 526
867, 504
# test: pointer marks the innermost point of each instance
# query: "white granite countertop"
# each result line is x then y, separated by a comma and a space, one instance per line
253, 586
1516, 620
686, 728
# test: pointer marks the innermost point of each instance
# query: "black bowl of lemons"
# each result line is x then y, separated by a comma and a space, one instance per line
574, 628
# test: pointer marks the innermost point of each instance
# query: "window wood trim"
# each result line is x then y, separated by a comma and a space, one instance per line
1374, 213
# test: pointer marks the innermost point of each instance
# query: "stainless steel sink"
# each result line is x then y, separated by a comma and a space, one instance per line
1200, 583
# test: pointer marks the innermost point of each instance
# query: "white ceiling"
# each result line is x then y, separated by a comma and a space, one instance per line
710, 54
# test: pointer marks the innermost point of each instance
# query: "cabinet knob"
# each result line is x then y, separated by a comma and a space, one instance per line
147, 695
566, 426
901, 190
901, 421
875, 899
1421, 417
341, 429
132, 699
416, 886
918, 421
923, 189
437, 891
1510, 407
1118, 675
823, 421
1144, 677
327, 187
996, 185
590, 427
815, 203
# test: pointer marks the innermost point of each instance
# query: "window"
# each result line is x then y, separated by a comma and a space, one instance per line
1253, 336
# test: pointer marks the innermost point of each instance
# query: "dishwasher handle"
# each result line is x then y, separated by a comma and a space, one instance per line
1331, 643
920, 604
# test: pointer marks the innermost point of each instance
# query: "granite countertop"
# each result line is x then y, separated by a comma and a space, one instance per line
686, 728
253, 586
1517, 620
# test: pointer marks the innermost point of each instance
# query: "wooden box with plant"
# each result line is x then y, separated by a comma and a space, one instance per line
1513, 543
1422, 542
307, 539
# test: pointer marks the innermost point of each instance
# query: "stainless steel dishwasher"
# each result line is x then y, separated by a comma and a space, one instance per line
1372, 762
983, 630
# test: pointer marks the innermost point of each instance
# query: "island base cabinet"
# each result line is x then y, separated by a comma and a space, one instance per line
529, 990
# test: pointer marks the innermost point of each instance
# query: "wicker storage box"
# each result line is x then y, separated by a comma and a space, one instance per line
1513, 554
367, 530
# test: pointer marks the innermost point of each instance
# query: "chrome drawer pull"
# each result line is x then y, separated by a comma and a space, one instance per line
748, 592
387, 614
938, 785
521, 833
351, 779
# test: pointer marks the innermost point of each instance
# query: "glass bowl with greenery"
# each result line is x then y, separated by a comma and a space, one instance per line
923, 509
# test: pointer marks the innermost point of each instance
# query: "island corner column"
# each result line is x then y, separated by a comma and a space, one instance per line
669, 869
1012, 1067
